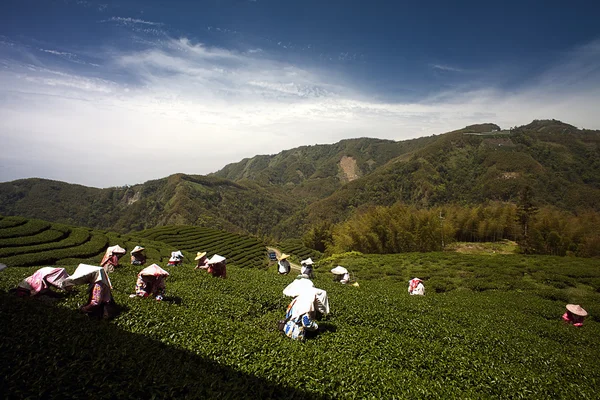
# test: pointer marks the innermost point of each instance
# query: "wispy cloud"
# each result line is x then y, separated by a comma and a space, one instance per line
213, 106
58, 53
128, 21
448, 68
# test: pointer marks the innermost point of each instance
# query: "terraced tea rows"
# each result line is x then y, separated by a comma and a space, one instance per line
30, 242
242, 251
296, 248
26, 242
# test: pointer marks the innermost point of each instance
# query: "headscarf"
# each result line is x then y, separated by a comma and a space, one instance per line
176, 256
43, 278
154, 271
309, 300
112, 250
89, 274
413, 283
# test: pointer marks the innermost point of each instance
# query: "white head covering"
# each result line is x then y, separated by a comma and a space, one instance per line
136, 249
297, 287
176, 256
153, 270
44, 277
216, 259
310, 299
87, 274
115, 250
339, 270
308, 261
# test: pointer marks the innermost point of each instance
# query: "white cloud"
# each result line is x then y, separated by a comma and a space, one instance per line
449, 68
132, 21
192, 108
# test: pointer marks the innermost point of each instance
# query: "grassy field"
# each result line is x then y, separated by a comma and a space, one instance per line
489, 327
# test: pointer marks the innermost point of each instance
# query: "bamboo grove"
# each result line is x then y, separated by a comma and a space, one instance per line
402, 228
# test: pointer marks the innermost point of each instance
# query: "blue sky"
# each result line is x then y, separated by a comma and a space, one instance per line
108, 93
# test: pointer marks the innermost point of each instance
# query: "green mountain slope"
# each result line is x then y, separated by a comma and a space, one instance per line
558, 161
309, 173
178, 199
282, 194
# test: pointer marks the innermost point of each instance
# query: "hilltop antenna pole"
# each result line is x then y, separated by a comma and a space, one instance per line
442, 226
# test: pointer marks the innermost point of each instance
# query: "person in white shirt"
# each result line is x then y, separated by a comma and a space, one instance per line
307, 267
283, 264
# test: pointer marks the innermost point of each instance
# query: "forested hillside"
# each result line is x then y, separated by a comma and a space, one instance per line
287, 194
560, 164
310, 173
177, 200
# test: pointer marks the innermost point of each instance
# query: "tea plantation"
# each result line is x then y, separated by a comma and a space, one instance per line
25, 242
489, 327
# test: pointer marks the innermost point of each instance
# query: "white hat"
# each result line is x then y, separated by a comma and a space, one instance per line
339, 270
577, 310
216, 259
116, 249
308, 261
153, 270
136, 249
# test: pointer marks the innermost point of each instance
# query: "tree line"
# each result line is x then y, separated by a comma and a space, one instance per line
405, 228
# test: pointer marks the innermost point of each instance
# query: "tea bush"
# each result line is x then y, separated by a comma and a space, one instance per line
489, 326
240, 250
378, 342
9, 222
54, 234
296, 248
30, 227
76, 237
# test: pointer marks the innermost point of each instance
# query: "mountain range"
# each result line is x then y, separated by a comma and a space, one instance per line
281, 195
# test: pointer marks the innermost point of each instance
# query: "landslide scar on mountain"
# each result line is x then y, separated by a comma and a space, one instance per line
349, 167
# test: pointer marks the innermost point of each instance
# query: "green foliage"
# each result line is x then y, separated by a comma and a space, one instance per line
290, 193
402, 228
214, 338
76, 237
319, 237
9, 222
48, 255
31, 227
56, 233
240, 250
297, 249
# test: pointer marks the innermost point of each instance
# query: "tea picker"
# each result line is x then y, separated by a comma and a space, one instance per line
41, 281
416, 287
137, 256
307, 267
176, 258
100, 302
217, 266
151, 282
301, 315
111, 258
283, 265
201, 260
341, 274
574, 315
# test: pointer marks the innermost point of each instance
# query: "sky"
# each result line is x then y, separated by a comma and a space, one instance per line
112, 93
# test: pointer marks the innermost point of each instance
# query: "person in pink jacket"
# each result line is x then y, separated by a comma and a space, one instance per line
574, 315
